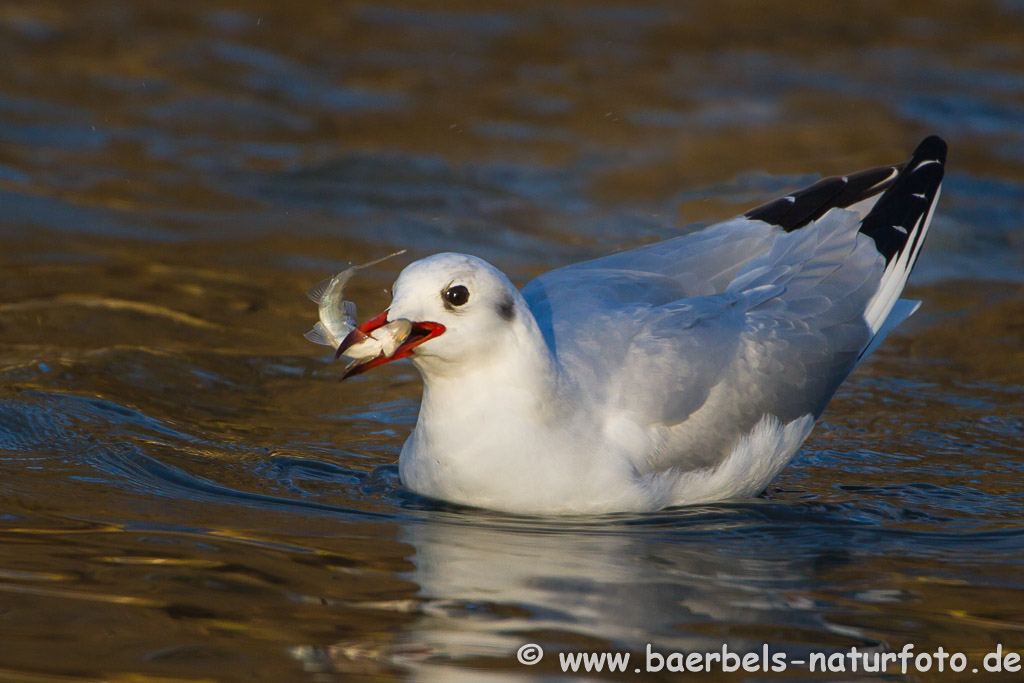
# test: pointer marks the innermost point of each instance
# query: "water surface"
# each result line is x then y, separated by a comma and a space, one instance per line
187, 493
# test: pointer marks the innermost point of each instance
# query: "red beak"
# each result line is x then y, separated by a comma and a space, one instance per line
421, 332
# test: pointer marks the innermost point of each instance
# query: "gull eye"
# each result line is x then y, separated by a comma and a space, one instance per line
457, 295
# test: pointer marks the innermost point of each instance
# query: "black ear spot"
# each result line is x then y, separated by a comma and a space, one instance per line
507, 308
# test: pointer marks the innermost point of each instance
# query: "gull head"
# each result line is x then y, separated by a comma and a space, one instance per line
462, 311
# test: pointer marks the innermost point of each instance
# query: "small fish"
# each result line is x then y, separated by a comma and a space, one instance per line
388, 337
338, 317
383, 341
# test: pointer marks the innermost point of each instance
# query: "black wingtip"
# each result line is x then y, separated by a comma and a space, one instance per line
907, 200
904, 192
931, 148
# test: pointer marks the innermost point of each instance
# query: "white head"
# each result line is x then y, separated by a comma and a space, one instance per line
463, 311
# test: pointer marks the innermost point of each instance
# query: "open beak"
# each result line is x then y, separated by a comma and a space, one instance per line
420, 332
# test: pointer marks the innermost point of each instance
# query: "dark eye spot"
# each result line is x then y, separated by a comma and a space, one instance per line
456, 295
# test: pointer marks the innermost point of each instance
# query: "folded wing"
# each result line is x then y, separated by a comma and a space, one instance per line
765, 314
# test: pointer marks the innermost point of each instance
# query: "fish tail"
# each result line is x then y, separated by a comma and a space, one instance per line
319, 335
380, 260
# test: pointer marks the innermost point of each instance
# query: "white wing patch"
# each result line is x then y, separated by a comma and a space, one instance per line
753, 462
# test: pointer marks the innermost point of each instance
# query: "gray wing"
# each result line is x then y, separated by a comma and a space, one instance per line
687, 344
700, 263
789, 330
694, 374
605, 298
707, 261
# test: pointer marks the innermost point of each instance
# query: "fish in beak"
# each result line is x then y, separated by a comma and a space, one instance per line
409, 337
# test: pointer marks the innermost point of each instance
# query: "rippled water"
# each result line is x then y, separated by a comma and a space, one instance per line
186, 492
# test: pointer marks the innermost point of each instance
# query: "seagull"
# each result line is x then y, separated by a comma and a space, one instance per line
684, 372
